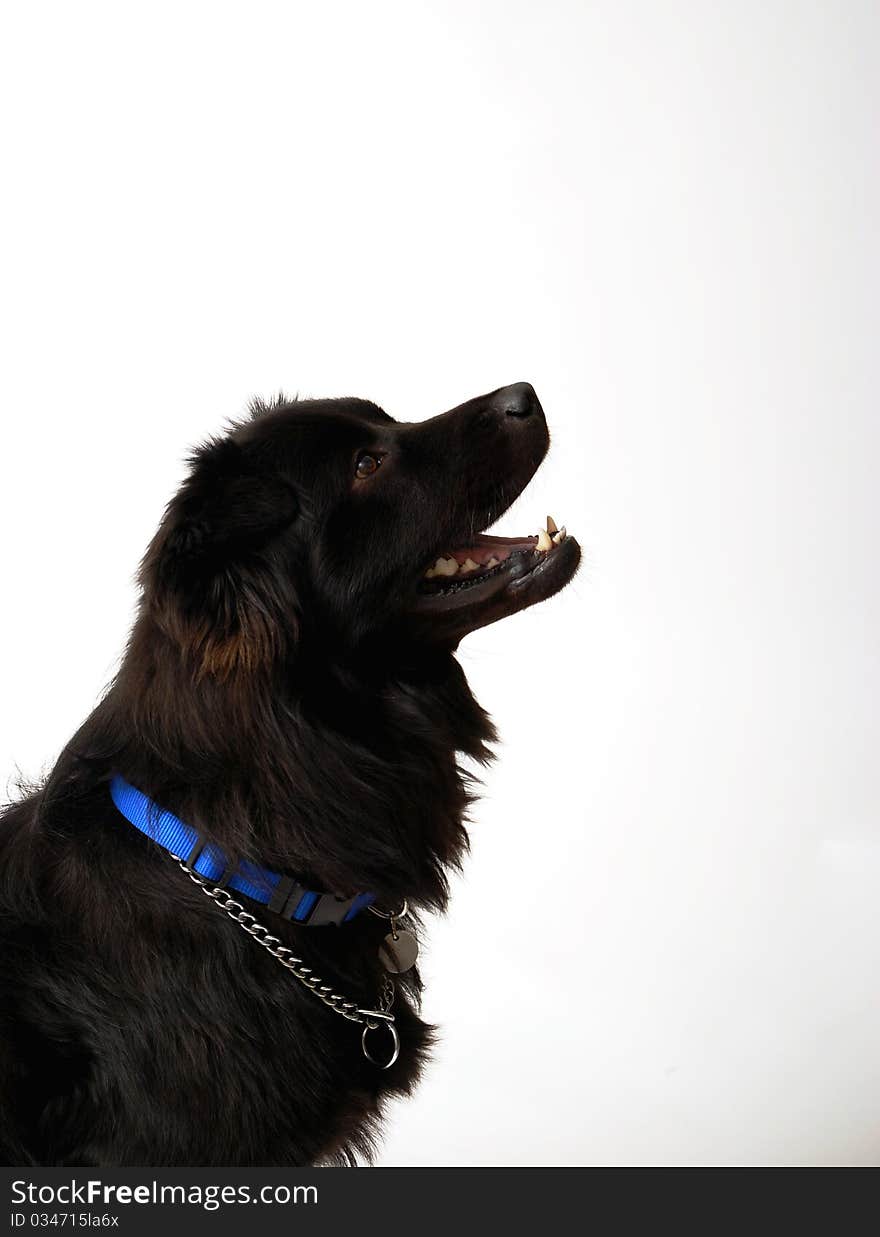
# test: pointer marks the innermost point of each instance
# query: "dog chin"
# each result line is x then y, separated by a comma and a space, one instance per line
449, 606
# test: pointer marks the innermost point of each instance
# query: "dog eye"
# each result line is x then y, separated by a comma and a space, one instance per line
366, 465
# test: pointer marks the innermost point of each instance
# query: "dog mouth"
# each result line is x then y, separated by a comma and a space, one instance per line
490, 578
486, 558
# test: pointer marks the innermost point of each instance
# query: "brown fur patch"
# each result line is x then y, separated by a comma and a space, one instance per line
253, 644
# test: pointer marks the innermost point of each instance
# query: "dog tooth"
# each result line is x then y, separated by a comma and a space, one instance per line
544, 542
469, 565
560, 536
551, 525
430, 573
492, 562
445, 567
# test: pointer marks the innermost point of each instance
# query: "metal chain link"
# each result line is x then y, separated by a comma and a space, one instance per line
370, 1018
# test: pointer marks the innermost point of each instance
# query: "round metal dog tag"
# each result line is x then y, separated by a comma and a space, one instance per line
399, 951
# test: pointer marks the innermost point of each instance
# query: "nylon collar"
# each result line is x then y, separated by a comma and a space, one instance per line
285, 895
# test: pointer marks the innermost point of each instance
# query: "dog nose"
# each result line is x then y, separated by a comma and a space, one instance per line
518, 400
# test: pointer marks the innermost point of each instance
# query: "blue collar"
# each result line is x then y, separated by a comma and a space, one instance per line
283, 894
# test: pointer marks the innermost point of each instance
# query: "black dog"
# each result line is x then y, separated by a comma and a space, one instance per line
289, 692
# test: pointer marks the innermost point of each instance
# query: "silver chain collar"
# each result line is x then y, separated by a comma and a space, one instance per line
371, 1019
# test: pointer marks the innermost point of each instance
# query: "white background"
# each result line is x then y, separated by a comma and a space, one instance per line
665, 948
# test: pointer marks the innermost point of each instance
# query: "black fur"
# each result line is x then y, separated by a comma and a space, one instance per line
282, 691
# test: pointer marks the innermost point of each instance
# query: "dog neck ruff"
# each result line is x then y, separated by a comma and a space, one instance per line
285, 895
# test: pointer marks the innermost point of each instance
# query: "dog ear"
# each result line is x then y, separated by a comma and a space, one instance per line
207, 573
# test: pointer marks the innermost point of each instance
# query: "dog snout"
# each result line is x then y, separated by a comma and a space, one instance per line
511, 415
518, 400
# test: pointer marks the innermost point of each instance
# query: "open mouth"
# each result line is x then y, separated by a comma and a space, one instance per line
492, 577
486, 557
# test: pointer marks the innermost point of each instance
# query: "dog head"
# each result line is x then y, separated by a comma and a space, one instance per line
326, 522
